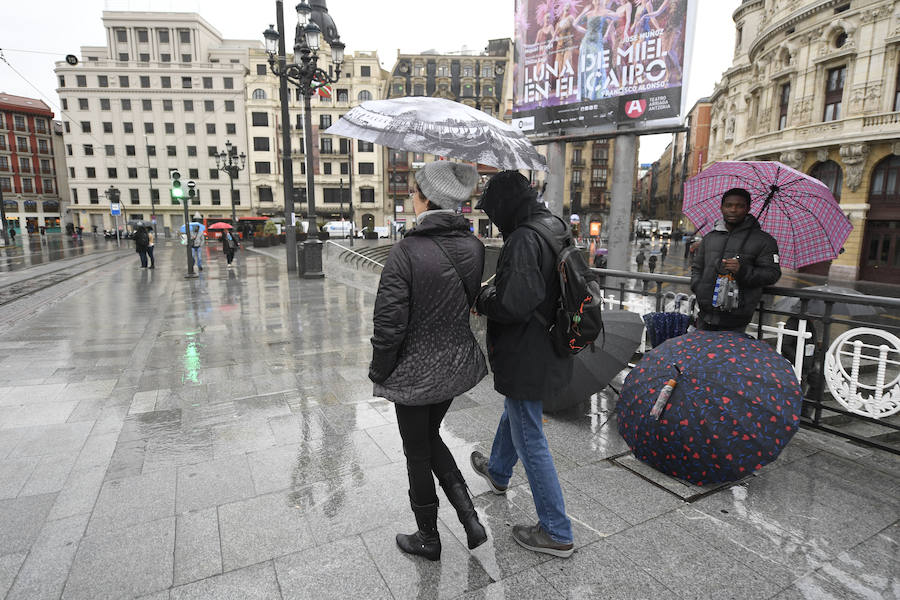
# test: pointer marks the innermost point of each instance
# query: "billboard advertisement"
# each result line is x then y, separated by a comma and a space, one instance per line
592, 64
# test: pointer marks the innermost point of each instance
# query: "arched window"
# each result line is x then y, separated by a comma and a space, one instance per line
886, 181
259, 94
364, 96
829, 173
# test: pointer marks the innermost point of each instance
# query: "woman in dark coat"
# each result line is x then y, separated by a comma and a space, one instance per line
424, 353
229, 245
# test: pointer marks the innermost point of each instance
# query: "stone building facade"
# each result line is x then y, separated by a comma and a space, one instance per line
663, 192
165, 92
340, 164
814, 84
27, 165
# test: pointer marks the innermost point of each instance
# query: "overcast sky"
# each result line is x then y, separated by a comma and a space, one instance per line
50, 29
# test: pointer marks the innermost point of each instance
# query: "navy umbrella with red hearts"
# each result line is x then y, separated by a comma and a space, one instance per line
735, 405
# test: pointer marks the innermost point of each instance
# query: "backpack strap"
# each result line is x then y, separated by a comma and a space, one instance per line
548, 236
470, 297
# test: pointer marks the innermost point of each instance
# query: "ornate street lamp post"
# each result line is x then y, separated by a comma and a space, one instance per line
229, 161
308, 77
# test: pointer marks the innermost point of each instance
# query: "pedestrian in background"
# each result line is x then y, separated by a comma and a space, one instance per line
664, 251
423, 350
197, 240
229, 245
151, 243
651, 263
12, 235
141, 242
526, 368
639, 259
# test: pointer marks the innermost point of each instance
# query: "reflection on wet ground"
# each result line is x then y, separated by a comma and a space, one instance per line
35, 249
217, 438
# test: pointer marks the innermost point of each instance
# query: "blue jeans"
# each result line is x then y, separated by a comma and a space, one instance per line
195, 252
520, 436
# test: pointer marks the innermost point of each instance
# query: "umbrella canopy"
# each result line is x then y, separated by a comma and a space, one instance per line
139, 223
194, 226
734, 408
220, 225
817, 307
440, 127
595, 367
798, 210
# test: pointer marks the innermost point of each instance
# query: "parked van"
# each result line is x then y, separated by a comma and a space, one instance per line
343, 229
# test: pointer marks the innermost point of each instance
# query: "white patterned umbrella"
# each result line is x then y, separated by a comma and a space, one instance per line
440, 127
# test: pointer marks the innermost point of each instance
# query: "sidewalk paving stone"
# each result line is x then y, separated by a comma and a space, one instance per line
218, 438
213, 483
198, 553
257, 582
125, 563
324, 572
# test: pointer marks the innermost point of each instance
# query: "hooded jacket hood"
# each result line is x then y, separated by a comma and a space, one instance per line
508, 199
749, 222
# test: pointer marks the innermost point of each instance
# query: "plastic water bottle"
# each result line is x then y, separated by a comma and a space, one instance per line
663, 399
716, 290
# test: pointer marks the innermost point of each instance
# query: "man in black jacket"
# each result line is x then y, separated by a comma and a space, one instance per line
526, 368
738, 247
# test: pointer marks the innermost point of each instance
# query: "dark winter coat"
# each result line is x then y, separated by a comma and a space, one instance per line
423, 350
757, 252
226, 248
141, 241
519, 347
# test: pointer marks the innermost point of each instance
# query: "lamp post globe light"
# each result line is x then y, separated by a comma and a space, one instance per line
229, 161
313, 21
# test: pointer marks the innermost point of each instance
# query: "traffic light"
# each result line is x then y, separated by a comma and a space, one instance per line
192, 193
175, 188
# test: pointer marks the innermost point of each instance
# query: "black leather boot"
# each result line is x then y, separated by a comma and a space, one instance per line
454, 486
426, 541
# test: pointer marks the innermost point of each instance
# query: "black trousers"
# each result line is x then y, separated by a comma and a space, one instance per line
229, 255
425, 451
150, 254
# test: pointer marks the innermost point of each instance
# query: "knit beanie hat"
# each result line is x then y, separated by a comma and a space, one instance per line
447, 184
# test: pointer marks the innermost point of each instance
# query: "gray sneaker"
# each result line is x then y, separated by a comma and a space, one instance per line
480, 464
536, 539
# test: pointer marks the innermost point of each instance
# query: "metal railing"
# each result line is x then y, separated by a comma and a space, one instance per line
646, 292
355, 253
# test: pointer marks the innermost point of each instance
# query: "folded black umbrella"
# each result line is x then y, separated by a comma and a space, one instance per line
595, 367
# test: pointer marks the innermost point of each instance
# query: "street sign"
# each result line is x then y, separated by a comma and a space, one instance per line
115, 209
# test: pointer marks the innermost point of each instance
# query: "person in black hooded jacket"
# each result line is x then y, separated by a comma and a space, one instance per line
736, 245
423, 350
526, 368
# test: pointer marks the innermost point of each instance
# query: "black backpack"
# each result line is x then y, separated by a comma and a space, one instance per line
578, 319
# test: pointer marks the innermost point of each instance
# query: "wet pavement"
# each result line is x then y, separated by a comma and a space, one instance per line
217, 438
32, 250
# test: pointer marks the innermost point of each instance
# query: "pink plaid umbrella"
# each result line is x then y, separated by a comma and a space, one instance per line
796, 209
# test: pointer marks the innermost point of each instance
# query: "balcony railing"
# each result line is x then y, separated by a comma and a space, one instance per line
807, 343
879, 120
578, 162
